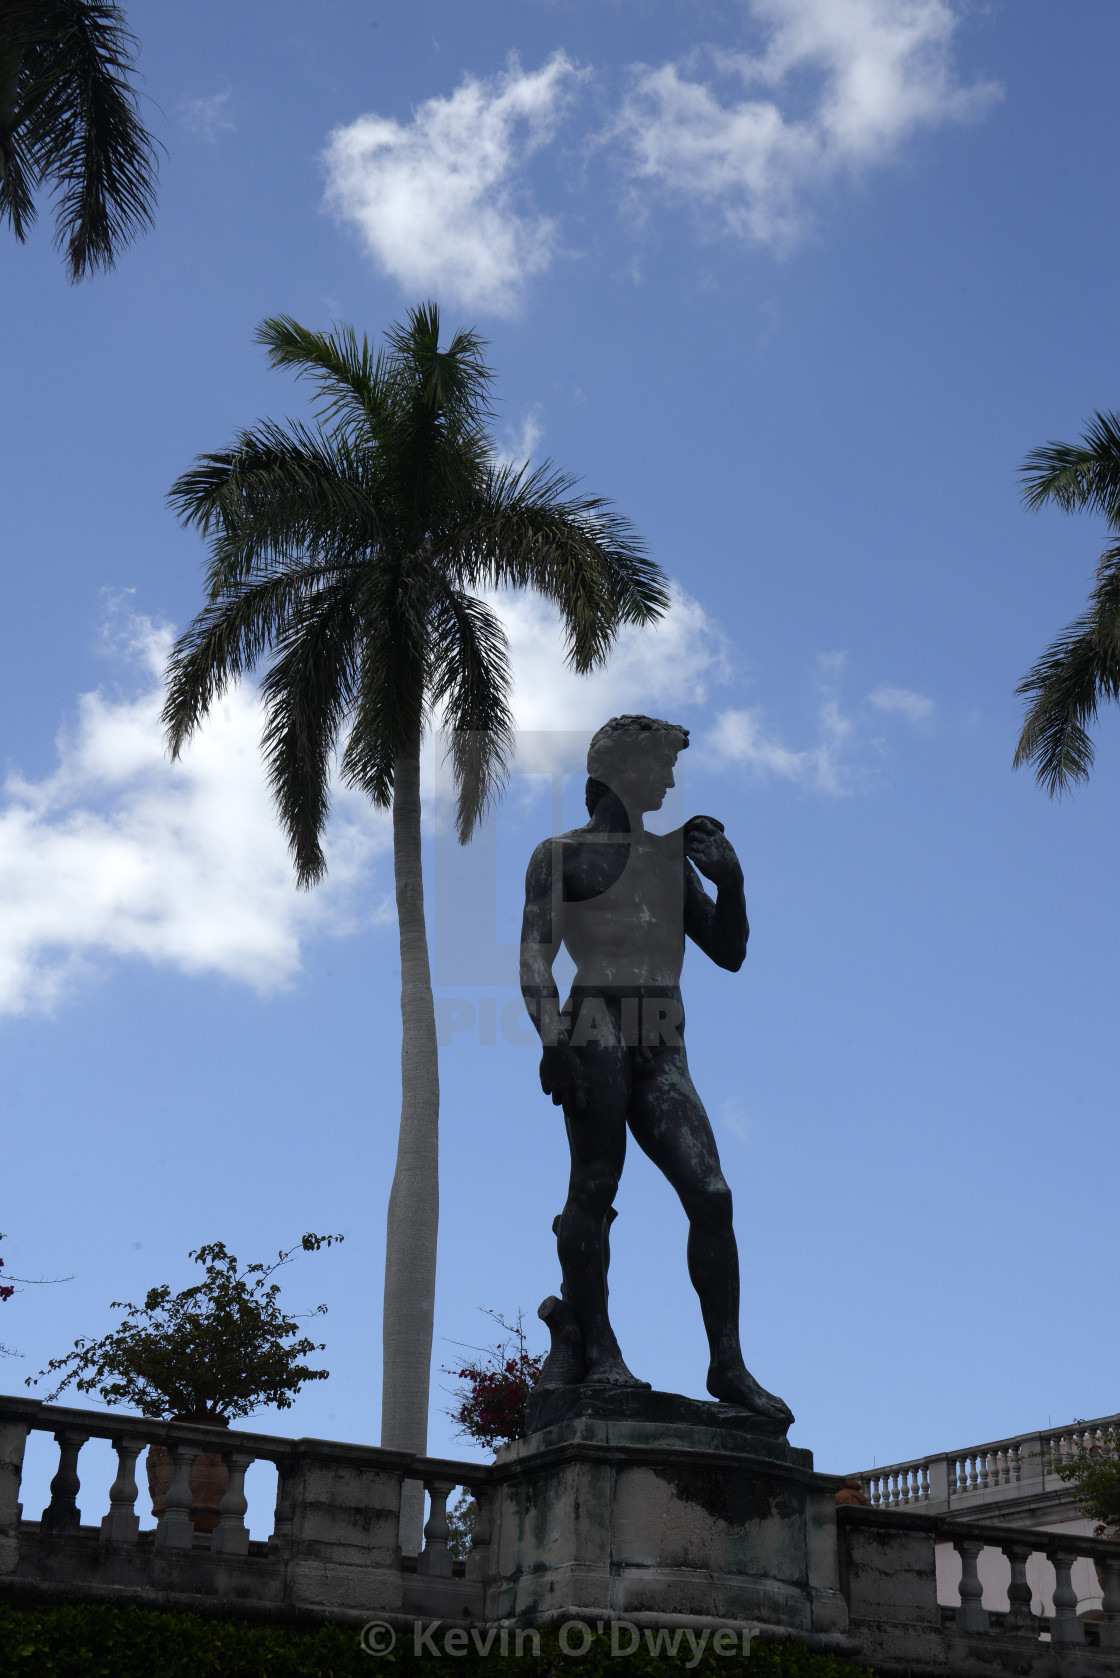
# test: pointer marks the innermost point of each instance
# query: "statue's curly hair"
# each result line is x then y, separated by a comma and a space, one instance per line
604, 745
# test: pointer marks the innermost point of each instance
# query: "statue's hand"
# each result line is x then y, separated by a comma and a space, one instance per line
714, 856
562, 1077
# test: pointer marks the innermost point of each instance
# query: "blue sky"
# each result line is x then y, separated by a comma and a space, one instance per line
798, 283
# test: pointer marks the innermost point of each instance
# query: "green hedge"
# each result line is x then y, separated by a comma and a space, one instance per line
93, 1641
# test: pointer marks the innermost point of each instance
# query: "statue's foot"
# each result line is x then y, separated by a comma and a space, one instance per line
610, 1371
740, 1388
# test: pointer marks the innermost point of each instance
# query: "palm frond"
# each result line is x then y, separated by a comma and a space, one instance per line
79, 125
454, 381
353, 383
1078, 477
279, 494
436, 432
1079, 669
307, 693
525, 530
227, 639
471, 682
17, 197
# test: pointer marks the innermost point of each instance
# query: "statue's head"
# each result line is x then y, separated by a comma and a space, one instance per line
633, 757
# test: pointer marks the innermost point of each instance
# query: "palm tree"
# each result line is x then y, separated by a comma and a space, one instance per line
68, 119
348, 555
1081, 666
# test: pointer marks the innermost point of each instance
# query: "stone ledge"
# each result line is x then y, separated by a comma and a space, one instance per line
548, 1406
620, 1441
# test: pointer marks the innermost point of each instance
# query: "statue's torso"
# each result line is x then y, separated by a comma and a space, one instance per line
622, 910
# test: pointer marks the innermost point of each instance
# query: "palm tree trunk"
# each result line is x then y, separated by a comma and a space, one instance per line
410, 1242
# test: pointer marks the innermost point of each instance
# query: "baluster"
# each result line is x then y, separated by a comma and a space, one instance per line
1015, 1456
874, 1491
435, 1558
1065, 1627
279, 1539
970, 1476
1110, 1604
62, 1513
1020, 1621
478, 1556
923, 1483
985, 1476
904, 1489
971, 1614
1002, 1475
174, 1530
122, 1524
231, 1536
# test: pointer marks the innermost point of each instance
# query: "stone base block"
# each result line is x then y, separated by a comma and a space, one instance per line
602, 1519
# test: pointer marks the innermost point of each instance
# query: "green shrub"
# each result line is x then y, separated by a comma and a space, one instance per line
95, 1641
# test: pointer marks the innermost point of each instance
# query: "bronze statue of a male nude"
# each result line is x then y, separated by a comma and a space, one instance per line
622, 901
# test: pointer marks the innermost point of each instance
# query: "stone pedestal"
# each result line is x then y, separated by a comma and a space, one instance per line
604, 1518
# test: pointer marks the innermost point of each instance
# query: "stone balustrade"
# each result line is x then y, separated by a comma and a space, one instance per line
335, 1527
1020, 1469
617, 1523
888, 1575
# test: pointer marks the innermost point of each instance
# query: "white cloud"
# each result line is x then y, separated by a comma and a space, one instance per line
522, 445
742, 738
119, 853
207, 117
840, 84
436, 200
915, 707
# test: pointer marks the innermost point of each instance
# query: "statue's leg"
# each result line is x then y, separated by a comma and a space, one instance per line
670, 1125
597, 1139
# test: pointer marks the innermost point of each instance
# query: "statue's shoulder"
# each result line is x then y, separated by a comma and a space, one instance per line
559, 846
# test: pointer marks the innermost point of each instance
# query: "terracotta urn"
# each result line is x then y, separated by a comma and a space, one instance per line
209, 1476
851, 1492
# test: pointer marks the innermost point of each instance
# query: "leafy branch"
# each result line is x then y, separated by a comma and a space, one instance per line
221, 1348
491, 1405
